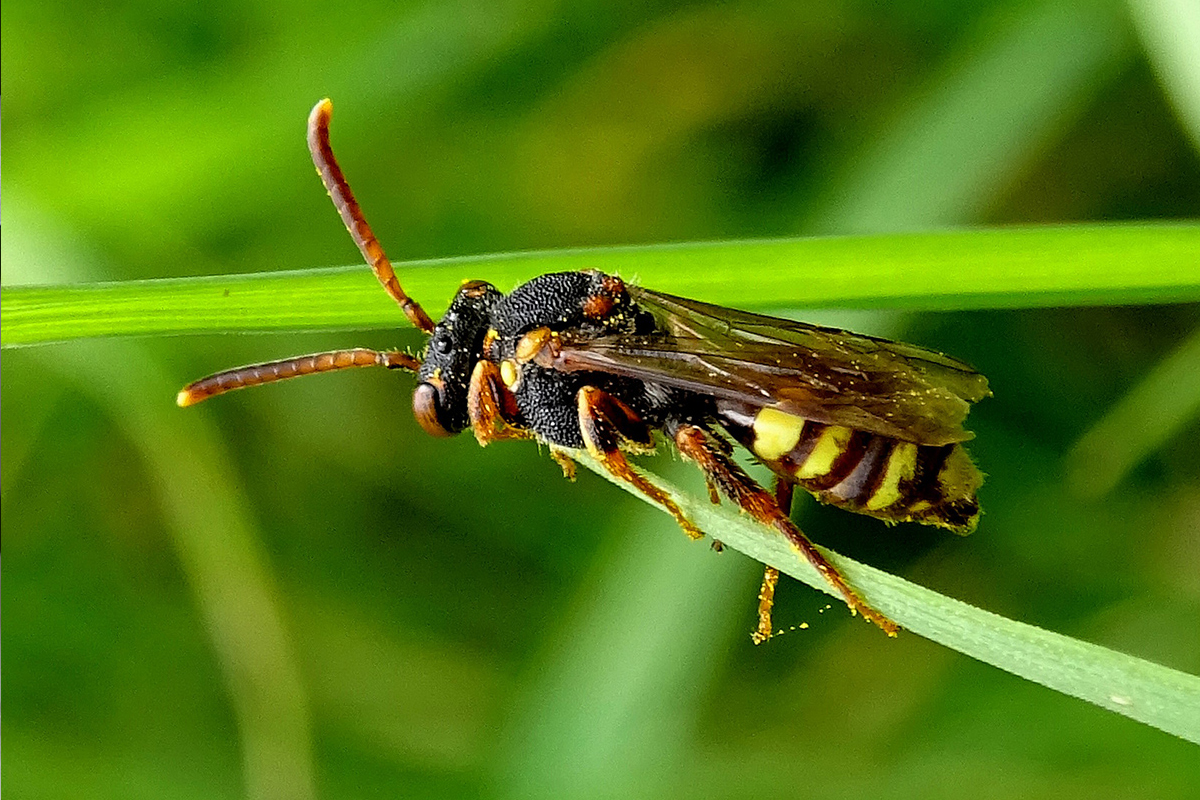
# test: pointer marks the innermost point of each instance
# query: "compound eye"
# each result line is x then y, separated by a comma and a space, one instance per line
425, 409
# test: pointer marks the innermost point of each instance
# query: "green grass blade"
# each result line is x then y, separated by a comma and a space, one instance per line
1014, 267
1165, 401
1170, 31
958, 143
604, 707
1150, 693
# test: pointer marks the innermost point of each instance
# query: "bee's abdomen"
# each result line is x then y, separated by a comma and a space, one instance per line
868, 473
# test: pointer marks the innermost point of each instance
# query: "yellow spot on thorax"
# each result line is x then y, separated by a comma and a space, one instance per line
832, 444
776, 433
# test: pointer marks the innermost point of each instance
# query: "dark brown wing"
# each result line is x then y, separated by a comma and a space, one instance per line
824, 374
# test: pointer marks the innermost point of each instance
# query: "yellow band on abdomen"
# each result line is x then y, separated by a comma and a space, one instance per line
901, 466
776, 433
820, 461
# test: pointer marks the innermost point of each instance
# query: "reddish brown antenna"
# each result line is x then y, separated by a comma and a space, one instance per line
347, 206
271, 371
343, 199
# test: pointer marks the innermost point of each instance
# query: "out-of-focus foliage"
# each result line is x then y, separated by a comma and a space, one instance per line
293, 592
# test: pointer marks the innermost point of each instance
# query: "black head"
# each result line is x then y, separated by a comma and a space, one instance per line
456, 344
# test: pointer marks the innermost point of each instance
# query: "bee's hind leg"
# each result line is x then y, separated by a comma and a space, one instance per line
766, 594
697, 445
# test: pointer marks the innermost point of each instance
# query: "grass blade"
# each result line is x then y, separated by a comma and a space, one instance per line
956, 145
1019, 267
1170, 31
1150, 693
1166, 400
1013, 267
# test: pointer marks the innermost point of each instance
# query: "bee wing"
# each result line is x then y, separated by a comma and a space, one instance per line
823, 374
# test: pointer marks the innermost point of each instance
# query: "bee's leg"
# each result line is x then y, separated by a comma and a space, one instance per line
766, 594
606, 423
565, 463
766, 601
492, 407
694, 443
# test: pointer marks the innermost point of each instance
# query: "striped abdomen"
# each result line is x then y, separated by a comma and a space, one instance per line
863, 472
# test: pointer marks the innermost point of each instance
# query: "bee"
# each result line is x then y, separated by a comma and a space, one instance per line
585, 361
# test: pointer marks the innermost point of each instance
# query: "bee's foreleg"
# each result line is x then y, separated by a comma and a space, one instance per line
695, 444
606, 423
565, 462
492, 408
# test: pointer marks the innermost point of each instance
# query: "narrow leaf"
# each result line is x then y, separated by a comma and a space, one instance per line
1150, 693
1166, 400
1013, 268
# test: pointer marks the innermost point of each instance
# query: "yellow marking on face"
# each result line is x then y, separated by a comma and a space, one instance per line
832, 444
901, 466
509, 373
776, 433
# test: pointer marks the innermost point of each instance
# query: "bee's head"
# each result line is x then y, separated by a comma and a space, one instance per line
456, 344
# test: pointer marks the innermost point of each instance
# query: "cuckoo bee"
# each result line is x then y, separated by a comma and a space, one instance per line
585, 361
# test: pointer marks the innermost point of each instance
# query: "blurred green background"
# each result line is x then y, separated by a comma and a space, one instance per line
293, 592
